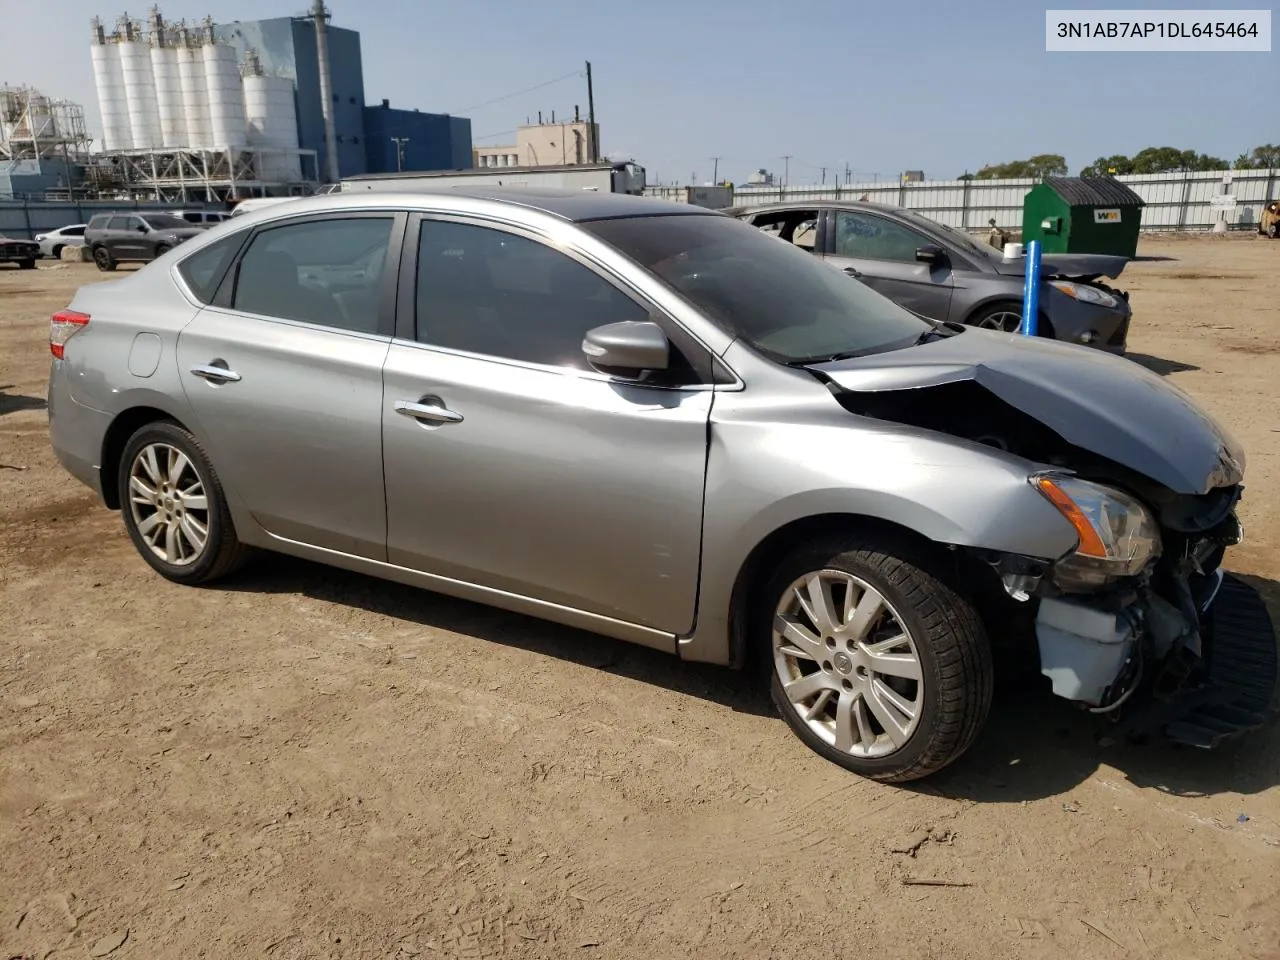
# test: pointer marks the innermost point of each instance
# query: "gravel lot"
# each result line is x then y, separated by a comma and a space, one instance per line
310, 763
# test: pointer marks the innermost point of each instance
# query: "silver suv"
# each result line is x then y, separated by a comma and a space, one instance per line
655, 422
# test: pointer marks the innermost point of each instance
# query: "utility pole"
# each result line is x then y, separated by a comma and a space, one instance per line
320, 15
593, 147
715, 170
786, 169
824, 176
848, 175
399, 142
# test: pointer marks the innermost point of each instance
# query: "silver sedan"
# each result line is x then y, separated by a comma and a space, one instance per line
655, 422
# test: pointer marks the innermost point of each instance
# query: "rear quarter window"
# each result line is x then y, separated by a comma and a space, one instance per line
98, 223
204, 269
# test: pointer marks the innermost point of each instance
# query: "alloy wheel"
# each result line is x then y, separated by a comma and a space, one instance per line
1005, 321
168, 503
848, 664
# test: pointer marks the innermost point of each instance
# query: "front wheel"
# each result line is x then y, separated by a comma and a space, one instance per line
26, 264
877, 663
1005, 317
174, 507
161, 250
1273, 231
55, 253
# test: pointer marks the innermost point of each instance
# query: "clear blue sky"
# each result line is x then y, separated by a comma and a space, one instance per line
931, 84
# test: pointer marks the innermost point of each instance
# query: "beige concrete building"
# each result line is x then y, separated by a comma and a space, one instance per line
547, 144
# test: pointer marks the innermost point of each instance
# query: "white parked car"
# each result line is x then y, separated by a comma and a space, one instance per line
51, 243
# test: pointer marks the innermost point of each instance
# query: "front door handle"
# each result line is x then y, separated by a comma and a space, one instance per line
215, 373
853, 272
427, 411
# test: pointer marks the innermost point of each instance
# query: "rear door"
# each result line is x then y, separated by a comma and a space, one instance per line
125, 237
284, 373
881, 252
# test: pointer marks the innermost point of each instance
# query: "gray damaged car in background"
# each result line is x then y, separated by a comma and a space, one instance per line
688, 436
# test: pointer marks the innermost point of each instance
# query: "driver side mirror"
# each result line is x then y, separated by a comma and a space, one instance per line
141, 228
627, 349
930, 253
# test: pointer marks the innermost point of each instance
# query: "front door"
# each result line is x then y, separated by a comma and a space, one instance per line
286, 379
882, 254
509, 462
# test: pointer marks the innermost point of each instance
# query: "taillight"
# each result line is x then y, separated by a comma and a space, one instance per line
64, 325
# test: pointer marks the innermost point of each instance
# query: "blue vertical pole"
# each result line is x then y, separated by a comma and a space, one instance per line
1031, 291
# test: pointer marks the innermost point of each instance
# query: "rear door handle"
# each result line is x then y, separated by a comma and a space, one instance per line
215, 373
427, 411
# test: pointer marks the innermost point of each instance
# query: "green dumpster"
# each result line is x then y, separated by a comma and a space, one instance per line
1082, 215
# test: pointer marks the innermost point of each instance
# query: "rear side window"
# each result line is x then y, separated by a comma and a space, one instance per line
99, 222
321, 271
73, 232
204, 269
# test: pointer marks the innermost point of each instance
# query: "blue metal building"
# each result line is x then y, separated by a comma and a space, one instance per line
436, 141
287, 46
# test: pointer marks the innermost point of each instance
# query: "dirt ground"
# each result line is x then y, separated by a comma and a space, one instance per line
310, 763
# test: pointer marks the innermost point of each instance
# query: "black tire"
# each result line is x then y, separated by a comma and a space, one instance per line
952, 653
1273, 231
986, 316
103, 259
56, 253
26, 264
161, 250
222, 552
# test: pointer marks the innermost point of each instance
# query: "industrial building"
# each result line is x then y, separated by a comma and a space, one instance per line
42, 143
547, 143
266, 107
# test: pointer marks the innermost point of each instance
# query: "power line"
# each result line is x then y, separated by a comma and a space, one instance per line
536, 86
493, 136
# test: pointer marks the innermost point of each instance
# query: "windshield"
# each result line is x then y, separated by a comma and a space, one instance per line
784, 302
958, 237
162, 221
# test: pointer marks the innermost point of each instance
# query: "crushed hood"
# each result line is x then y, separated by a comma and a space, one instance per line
1085, 265
1107, 405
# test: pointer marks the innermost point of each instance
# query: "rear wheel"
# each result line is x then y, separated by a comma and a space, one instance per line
877, 663
174, 507
103, 258
1273, 231
26, 264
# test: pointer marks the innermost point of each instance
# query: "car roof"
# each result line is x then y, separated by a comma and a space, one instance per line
818, 205
575, 206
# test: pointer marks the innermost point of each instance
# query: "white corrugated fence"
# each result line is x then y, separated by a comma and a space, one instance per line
1174, 201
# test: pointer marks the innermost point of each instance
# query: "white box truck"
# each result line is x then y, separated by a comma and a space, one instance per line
622, 177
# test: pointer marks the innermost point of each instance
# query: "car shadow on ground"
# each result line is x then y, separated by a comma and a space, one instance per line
15, 402
1159, 364
1151, 259
1033, 746
276, 573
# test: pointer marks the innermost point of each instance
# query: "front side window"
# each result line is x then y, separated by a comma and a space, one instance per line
121, 223
320, 271
783, 302
875, 238
163, 221
484, 291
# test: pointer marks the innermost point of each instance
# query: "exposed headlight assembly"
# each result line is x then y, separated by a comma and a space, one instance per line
1118, 535
1085, 293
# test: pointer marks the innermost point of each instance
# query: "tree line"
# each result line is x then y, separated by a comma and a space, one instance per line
1150, 160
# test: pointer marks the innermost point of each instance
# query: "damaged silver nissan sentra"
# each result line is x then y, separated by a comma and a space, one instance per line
655, 422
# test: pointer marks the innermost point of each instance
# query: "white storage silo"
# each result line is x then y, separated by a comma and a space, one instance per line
140, 94
109, 79
273, 124
195, 97
164, 70
226, 96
